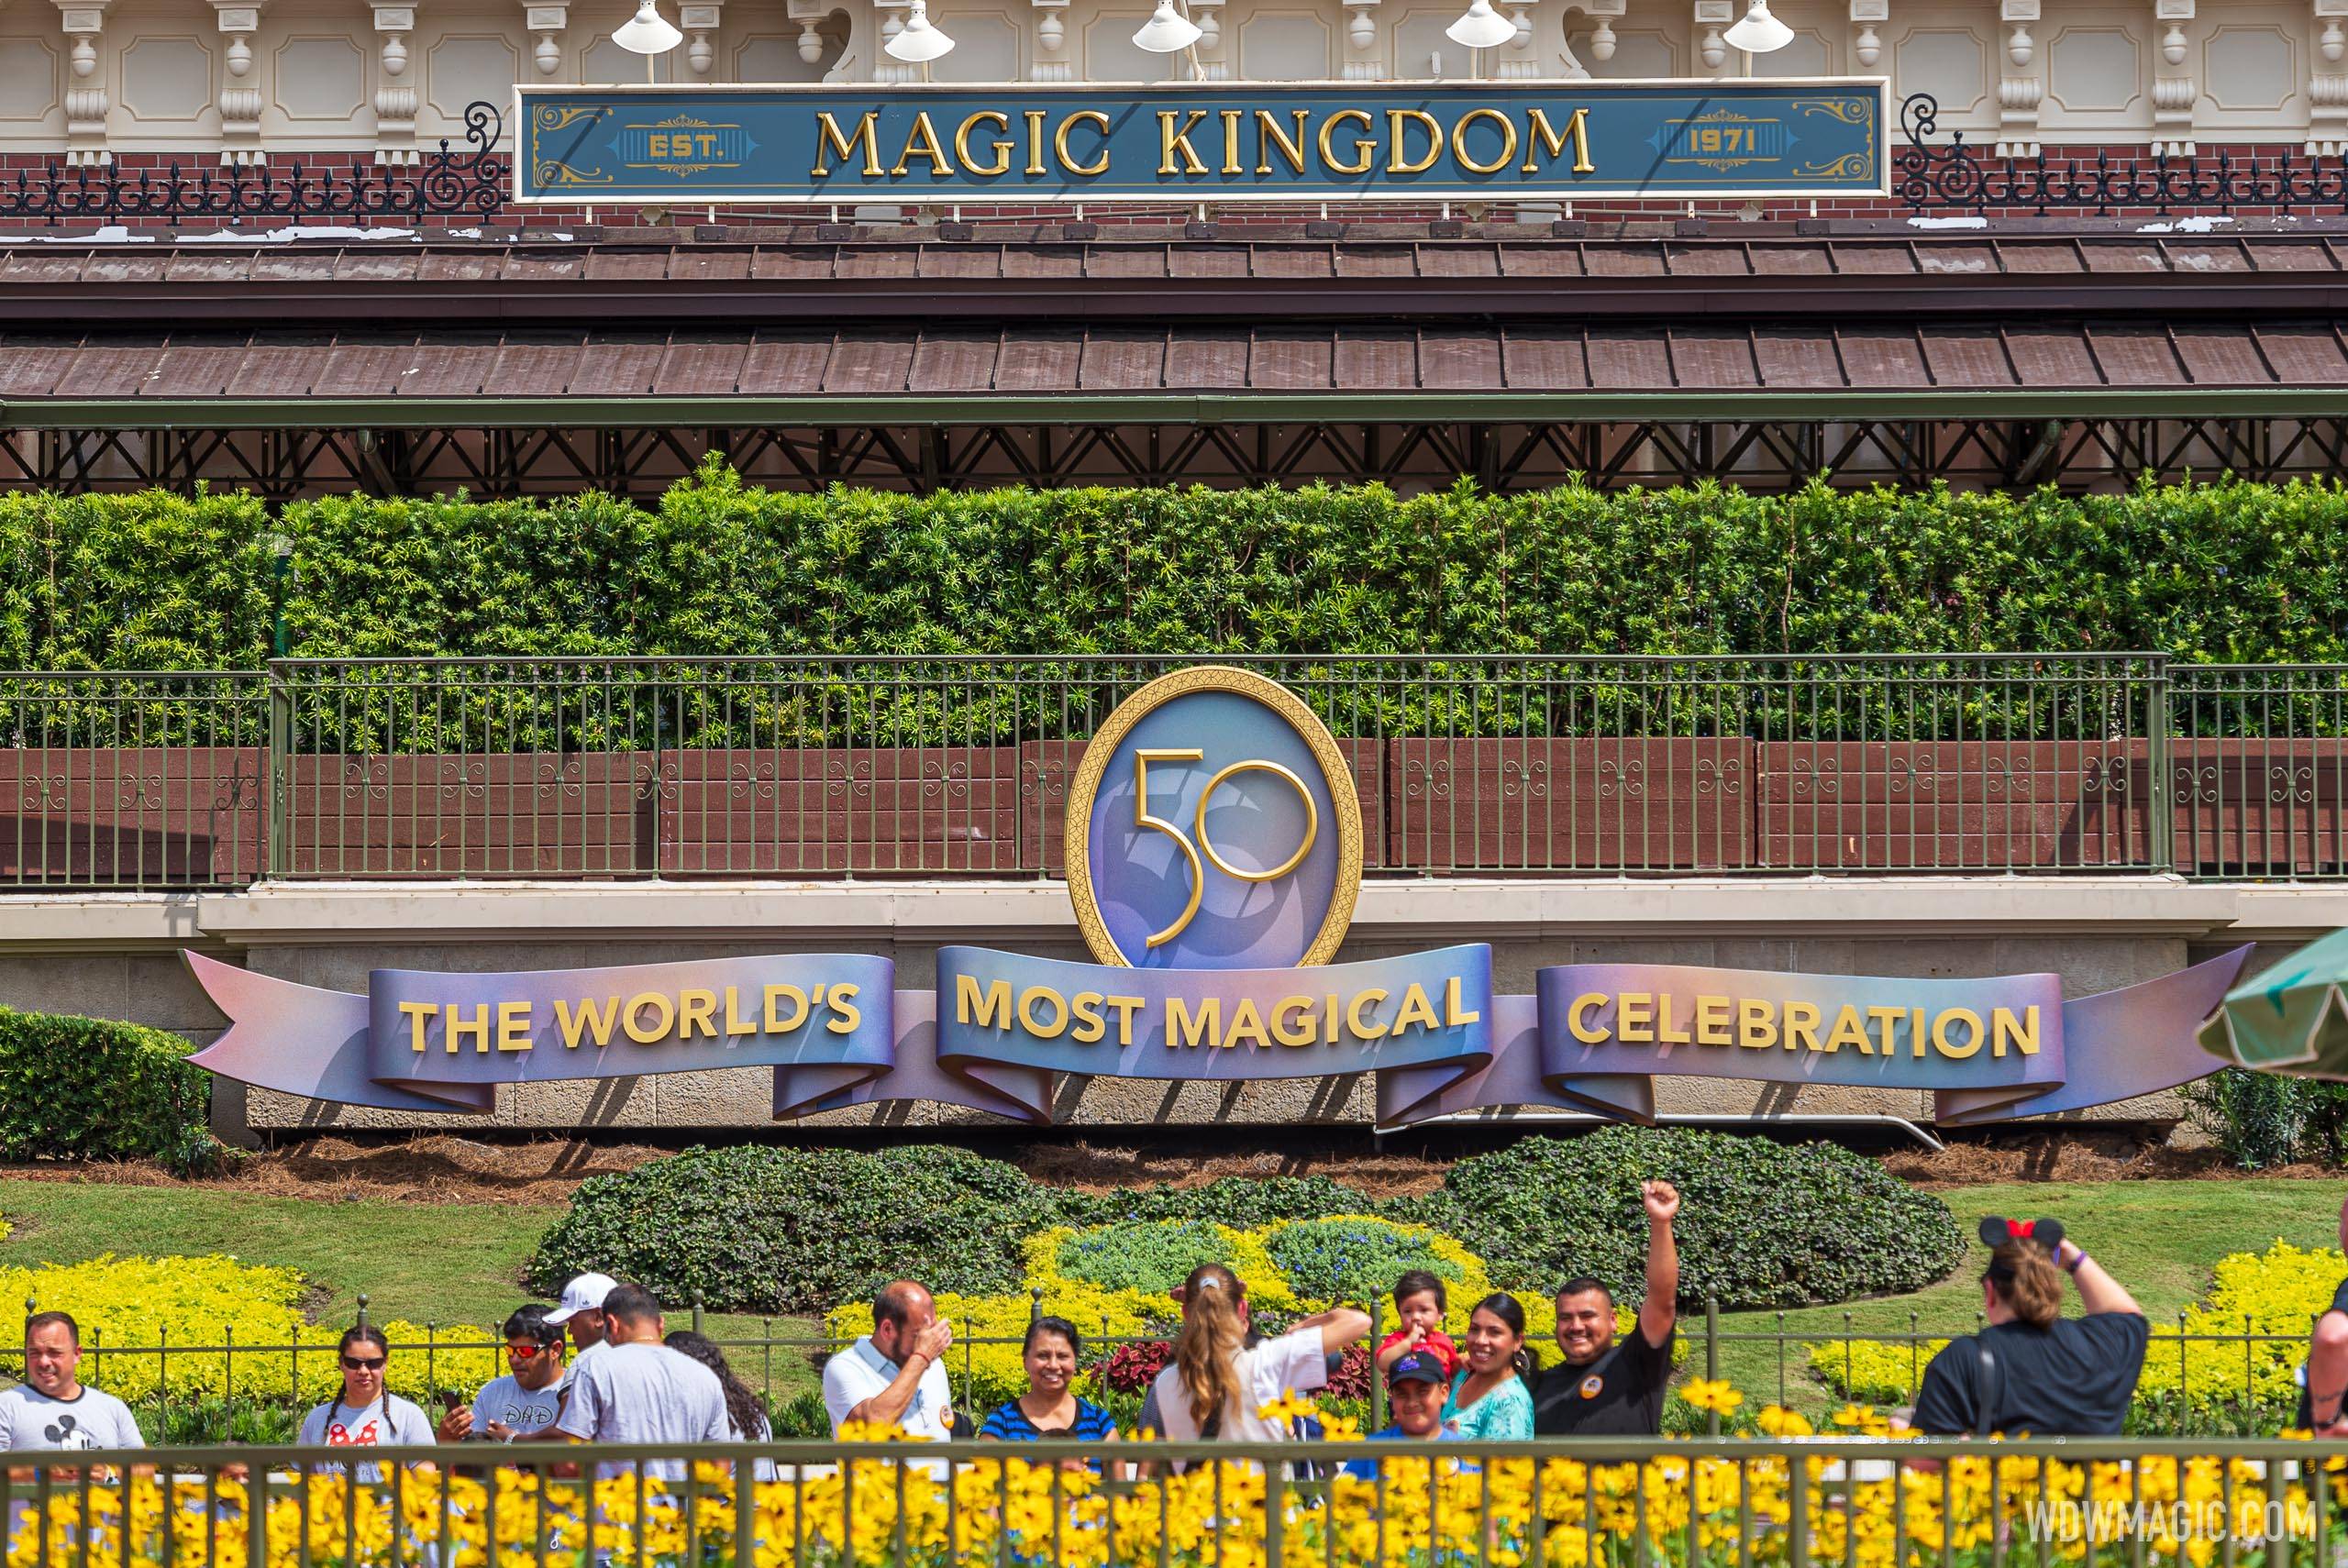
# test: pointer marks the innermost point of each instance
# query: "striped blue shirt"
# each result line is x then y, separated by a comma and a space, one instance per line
1009, 1424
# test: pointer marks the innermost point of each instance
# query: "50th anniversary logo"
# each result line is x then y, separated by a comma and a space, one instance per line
1215, 854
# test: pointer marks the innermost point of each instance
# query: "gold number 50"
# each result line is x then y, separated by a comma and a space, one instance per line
1190, 846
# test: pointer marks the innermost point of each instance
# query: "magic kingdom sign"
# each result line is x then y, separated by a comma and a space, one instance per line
1215, 848
1193, 142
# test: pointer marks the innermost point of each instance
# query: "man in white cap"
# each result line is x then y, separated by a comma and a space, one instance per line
581, 1307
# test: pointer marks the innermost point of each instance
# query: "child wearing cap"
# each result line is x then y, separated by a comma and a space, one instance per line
1419, 1303
1416, 1387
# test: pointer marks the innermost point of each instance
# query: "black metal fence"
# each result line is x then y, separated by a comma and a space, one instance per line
955, 767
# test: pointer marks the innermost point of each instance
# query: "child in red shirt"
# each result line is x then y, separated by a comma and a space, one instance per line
1419, 1302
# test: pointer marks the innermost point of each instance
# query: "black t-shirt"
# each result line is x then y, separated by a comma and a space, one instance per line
2306, 1416
1619, 1395
2072, 1379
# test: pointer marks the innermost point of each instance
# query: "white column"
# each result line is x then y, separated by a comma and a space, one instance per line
2024, 85
395, 96
86, 103
1208, 14
241, 97
1867, 44
1711, 15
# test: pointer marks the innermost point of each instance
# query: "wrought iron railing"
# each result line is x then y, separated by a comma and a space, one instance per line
1795, 1502
958, 767
471, 184
1934, 176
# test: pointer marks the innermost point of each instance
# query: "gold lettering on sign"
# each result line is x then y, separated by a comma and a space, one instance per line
1508, 142
1269, 136
1397, 160
1060, 143
1000, 147
1171, 141
829, 138
1365, 144
1541, 134
922, 142
1035, 118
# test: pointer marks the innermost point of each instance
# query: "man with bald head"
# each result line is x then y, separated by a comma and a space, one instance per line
895, 1375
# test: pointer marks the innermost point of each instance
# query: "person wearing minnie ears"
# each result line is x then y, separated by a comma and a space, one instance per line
51, 1410
1610, 1388
2032, 1370
2323, 1381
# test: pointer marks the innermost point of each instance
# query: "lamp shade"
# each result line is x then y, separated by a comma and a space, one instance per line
1481, 28
917, 42
648, 32
1167, 32
1758, 32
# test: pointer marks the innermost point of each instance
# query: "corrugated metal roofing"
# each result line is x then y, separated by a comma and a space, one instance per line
537, 363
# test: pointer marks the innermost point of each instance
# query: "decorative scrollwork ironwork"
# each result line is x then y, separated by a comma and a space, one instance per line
450, 182
1957, 176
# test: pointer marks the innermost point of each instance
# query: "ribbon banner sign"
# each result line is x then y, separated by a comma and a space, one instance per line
1214, 852
1193, 142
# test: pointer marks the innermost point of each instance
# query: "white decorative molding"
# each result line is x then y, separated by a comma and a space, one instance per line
1517, 61
2174, 87
1363, 59
1049, 60
546, 25
394, 99
700, 20
2327, 88
86, 102
1867, 44
2021, 88
1711, 15
240, 100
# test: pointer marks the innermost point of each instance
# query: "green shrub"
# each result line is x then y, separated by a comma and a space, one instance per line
2262, 1120
2226, 571
1334, 1260
1143, 1255
1761, 1223
1240, 1202
93, 1089
756, 1229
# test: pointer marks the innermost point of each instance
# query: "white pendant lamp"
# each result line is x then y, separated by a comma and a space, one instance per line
917, 42
648, 32
1758, 32
1481, 28
1167, 32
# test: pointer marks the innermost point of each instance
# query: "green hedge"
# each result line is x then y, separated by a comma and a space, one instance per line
2225, 572
91, 1088
757, 1229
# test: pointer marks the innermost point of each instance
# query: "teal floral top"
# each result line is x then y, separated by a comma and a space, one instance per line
1504, 1415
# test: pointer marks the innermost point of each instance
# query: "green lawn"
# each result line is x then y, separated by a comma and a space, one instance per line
455, 1263
2160, 1239
463, 1263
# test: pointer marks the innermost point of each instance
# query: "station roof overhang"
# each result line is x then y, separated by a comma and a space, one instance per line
944, 333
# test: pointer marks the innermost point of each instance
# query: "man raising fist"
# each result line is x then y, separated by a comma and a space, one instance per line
1608, 1389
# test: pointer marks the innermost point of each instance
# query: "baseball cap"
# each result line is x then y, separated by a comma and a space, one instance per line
1415, 1366
585, 1293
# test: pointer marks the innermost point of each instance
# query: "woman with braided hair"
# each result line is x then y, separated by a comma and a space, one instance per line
2032, 1370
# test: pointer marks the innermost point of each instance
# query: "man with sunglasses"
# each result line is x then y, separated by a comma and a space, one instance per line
526, 1399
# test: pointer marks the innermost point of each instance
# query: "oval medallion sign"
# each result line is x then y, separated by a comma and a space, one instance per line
1214, 825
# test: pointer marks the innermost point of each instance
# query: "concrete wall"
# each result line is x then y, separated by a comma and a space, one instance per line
117, 957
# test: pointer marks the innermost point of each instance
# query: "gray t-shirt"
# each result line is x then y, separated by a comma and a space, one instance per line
522, 1410
389, 1422
649, 1394
31, 1420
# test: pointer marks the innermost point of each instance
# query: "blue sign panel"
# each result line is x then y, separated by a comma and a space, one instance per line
1201, 142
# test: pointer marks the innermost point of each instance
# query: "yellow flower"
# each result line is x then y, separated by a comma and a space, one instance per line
1713, 1393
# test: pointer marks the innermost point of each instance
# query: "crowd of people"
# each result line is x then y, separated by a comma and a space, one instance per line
600, 1367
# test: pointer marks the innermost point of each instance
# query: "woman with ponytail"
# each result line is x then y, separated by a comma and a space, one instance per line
1491, 1396
1217, 1382
2032, 1370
